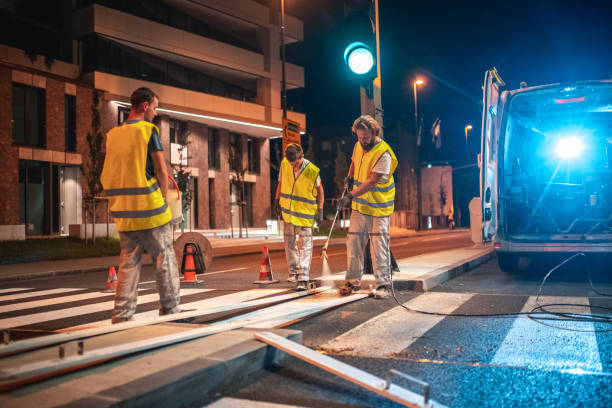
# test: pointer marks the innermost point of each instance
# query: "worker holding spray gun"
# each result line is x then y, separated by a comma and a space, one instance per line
299, 197
372, 194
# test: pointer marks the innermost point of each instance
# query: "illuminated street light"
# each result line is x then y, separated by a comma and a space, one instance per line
569, 147
468, 127
416, 116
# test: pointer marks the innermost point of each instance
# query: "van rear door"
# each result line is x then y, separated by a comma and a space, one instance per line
491, 120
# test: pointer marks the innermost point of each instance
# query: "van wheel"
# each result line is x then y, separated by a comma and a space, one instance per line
508, 262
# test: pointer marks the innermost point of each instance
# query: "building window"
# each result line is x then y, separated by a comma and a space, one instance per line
29, 116
235, 152
213, 148
177, 131
70, 122
253, 148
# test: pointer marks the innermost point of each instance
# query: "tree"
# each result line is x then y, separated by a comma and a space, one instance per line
341, 170
96, 154
237, 177
183, 178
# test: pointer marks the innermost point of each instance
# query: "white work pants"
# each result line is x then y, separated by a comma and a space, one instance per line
377, 229
158, 244
298, 260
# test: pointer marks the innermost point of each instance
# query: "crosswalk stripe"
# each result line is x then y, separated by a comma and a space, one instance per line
81, 310
534, 345
228, 402
396, 329
55, 301
7, 290
229, 299
19, 296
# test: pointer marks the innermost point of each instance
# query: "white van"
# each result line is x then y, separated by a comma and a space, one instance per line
546, 169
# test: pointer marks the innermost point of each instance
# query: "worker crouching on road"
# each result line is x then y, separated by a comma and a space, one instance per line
299, 196
135, 180
372, 192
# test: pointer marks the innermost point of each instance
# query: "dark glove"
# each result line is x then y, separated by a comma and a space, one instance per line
277, 208
348, 183
319, 216
345, 201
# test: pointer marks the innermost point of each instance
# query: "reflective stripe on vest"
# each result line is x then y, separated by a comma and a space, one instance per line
298, 198
134, 202
379, 201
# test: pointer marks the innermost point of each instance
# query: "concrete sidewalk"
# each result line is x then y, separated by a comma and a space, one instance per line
221, 247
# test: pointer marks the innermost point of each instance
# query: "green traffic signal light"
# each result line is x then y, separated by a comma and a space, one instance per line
359, 58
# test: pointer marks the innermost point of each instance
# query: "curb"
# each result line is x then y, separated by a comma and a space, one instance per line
203, 378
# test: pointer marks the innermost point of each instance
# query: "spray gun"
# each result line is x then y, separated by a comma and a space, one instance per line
347, 185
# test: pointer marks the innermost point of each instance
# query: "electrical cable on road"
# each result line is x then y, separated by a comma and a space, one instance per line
539, 309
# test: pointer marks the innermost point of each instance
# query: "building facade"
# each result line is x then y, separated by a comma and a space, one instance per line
215, 66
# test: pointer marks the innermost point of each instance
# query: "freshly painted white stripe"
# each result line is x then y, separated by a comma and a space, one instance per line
226, 270
54, 301
291, 311
534, 345
39, 293
81, 310
240, 403
14, 290
397, 328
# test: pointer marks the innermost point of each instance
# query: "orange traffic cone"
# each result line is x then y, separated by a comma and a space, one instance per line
111, 282
189, 268
265, 269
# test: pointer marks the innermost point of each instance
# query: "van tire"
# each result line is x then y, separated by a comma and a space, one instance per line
508, 262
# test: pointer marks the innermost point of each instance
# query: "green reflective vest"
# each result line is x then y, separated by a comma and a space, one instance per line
298, 199
134, 202
379, 200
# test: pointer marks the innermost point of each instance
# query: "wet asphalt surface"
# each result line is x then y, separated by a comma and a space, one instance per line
459, 357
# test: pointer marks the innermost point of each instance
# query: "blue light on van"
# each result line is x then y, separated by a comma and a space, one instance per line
569, 147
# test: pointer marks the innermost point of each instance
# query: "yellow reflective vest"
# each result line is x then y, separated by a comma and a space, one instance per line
136, 203
379, 200
298, 198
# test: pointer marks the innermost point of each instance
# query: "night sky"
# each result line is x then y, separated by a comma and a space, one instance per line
450, 44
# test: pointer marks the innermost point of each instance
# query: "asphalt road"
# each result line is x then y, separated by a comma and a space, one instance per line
491, 361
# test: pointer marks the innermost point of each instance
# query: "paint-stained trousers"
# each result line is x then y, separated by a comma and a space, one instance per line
298, 260
377, 229
157, 242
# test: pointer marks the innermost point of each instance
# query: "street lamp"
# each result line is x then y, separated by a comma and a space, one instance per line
416, 117
468, 127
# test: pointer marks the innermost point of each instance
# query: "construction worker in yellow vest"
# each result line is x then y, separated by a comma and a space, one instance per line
135, 180
299, 196
372, 192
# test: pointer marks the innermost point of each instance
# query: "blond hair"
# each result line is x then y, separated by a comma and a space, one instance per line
369, 123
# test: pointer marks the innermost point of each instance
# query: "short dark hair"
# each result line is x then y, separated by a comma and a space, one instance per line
293, 152
142, 95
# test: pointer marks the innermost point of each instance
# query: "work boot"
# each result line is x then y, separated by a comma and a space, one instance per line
301, 285
382, 292
347, 289
292, 278
116, 320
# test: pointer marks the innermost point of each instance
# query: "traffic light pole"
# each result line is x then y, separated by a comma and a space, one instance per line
373, 106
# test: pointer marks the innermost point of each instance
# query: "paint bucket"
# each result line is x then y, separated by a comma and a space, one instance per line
176, 203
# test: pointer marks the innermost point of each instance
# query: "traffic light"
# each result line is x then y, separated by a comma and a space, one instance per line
360, 42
